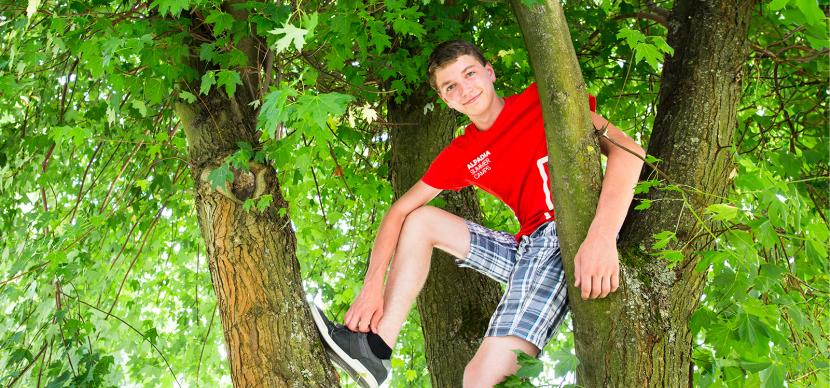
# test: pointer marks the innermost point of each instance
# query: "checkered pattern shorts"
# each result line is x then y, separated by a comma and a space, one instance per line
536, 301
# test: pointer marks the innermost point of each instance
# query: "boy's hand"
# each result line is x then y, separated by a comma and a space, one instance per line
365, 312
597, 267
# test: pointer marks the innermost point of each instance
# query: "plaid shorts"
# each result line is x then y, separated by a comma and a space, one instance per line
536, 301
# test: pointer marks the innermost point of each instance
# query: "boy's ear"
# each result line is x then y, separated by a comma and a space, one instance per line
490, 72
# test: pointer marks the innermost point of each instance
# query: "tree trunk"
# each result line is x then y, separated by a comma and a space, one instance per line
639, 336
270, 338
455, 304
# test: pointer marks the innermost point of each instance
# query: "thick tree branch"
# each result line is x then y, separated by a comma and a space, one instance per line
657, 17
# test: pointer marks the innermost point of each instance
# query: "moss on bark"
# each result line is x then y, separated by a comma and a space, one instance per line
639, 336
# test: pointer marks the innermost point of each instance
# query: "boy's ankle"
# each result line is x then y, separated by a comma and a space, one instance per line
378, 346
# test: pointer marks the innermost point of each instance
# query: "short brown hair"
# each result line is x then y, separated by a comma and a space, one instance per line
447, 52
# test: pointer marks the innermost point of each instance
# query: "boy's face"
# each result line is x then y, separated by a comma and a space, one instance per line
467, 86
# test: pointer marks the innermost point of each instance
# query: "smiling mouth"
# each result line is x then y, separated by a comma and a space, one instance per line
472, 99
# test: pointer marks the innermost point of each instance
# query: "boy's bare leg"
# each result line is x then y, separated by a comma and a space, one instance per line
495, 360
423, 229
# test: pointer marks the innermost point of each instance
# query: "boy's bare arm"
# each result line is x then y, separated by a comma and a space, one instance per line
368, 306
596, 265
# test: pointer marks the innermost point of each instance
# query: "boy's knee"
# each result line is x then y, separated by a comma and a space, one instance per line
419, 218
472, 374
485, 371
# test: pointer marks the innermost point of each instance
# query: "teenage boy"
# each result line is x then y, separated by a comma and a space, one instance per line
503, 151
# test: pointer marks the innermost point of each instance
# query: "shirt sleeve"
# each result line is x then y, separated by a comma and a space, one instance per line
444, 173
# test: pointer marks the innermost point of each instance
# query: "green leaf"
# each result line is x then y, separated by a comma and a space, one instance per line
411, 375
776, 5
263, 202
529, 367
154, 90
187, 96
220, 176
140, 107
632, 37
722, 212
293, 35
644, 204
317, 108
645, 186
650, 53
755, 366
221, 21
309, 21
172, 7
565, 362
673, 256
773, 377
152, 335
662, 239
276, 109
811, 11
652, 159
408, 27
208, 80
229, 79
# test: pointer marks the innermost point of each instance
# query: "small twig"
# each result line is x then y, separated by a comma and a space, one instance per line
44, 166
339, 170
147, 234
39, 266
135, 330
661, 19
83, 180
114, 181
26, 369
204, 343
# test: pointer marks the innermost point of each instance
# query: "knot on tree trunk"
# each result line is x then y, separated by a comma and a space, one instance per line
246, 184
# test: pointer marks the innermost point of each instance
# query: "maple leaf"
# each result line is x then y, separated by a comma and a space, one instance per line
293, 34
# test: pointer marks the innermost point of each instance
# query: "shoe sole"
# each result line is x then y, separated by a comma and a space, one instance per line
353, 367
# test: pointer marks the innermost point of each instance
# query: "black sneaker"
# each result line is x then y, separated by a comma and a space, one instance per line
350, 351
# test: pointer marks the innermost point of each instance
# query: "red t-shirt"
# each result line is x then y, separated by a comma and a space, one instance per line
509, 161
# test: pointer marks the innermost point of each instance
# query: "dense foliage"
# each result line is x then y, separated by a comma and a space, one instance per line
103, 274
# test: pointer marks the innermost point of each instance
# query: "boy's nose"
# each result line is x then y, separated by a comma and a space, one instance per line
462, 91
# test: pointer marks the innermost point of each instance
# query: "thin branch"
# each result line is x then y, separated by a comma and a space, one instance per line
660, 19
339, 170
204, 343
147, 234
39, 266
135, 330
26, 369
83, 180
317, 185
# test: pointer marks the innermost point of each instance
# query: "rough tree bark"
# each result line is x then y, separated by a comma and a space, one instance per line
455, 304
639, 336
269, 335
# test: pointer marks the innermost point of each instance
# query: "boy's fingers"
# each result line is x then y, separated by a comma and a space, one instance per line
615, 282
577, 274
586, 287
596, 286
376, 320
347, 318
606, 286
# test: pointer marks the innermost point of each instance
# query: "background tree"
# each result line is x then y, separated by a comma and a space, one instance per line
103, 266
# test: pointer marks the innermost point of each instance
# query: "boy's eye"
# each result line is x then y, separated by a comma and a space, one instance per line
470, 73
450, 88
